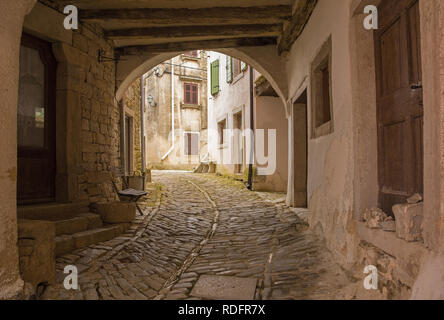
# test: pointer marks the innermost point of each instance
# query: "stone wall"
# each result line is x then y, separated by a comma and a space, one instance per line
131, 102
87, 117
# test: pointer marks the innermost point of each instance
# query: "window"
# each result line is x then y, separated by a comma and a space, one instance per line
191, 93
321, 92
215, 77
221, 126
128, 145
194, 54
191, 144
234, 68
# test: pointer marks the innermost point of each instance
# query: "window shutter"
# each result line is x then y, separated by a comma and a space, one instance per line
194, 149
215, 77
229, 68
243, 66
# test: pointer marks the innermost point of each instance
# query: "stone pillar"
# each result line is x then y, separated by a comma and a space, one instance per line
12, 15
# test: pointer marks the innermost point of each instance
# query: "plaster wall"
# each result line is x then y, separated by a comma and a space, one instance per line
330, 157
231, 99
270, 114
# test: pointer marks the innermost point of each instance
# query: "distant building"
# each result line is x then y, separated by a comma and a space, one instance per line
176, 105
229, 110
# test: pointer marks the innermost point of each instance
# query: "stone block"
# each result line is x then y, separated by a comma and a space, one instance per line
71, 226
212, 167
374, 218
94, 220
86, 238
409, 221
37, 265
116, 212
64, 244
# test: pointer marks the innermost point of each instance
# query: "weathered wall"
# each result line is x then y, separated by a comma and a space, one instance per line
11, 20
429, 284
270, 114
331, 157
187, 118
131, 101
90, 140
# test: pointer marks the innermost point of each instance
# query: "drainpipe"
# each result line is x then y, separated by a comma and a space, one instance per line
142, 125
250, 167
172, 113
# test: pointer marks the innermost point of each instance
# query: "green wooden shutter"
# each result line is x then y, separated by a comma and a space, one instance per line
243, 66
215, 77
229, 67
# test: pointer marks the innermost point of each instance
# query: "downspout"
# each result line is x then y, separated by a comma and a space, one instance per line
250, 167
142, 125
173, 137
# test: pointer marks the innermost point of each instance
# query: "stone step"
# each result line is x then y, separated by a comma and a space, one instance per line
67, 243
52, 211
83, 222
94, 220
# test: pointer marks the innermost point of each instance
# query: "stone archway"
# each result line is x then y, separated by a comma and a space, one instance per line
264, 59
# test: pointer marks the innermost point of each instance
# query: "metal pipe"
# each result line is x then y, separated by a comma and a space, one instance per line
250, 167
173, 137
142, 125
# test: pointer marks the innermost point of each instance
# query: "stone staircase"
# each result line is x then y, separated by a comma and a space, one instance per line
75, 226
82, 231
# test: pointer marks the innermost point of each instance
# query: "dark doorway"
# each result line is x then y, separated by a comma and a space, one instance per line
128, 145
300, 145
399, 102
36, 122
238, 143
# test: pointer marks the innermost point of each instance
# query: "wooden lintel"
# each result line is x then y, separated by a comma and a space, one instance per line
196, 45
297, 24
201, 16
197, 31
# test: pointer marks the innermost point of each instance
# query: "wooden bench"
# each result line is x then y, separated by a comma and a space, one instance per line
127, 193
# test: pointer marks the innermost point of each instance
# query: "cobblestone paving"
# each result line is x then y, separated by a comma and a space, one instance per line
205, 225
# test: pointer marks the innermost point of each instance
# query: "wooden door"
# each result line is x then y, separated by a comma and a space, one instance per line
399, 102
36, 122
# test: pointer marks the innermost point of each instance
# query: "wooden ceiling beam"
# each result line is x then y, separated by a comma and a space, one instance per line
201, 16
297, 24
196, 31
196, 45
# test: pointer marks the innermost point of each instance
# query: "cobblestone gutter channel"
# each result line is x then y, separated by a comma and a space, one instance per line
194, 254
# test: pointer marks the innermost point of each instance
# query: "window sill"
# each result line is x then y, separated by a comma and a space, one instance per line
323, 130
238, 77
190, 106
185, 57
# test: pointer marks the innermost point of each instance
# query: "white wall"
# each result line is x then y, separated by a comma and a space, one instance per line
232, 98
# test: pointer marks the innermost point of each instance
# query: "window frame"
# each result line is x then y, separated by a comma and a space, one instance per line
321, 63
192, 101
190, 149
221, 137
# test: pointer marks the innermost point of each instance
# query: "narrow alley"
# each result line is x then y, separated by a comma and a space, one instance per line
203, 226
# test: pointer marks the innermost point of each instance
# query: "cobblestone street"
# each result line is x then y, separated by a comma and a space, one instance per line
205, 225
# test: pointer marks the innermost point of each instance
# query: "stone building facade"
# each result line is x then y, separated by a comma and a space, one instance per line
176, 97
230, 84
